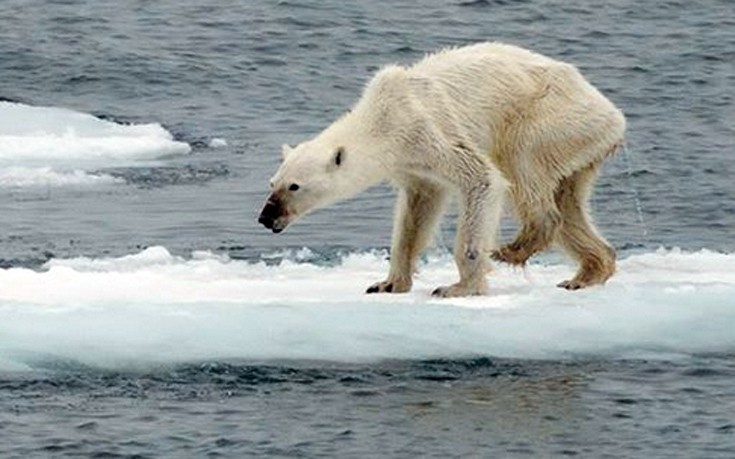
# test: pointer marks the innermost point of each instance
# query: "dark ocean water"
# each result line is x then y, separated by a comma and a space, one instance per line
436, 408
259, 74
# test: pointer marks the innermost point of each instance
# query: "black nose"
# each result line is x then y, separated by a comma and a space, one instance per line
271, 211
266, 221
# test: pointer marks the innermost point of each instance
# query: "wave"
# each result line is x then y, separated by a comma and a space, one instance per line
153, 307
56, 146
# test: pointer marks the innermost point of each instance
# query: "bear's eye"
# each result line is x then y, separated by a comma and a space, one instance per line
294, 187
339, 156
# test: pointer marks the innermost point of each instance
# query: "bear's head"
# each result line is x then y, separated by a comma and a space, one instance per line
312, 175
355, 152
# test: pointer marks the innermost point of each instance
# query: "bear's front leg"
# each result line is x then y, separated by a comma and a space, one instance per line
476, 232
418, 210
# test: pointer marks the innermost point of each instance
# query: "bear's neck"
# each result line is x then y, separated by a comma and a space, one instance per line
369, 158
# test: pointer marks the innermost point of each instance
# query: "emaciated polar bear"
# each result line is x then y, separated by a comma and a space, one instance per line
486, 121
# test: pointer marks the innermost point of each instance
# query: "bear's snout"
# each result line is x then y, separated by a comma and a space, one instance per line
271, 213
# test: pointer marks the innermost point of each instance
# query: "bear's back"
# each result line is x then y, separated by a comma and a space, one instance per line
492, 78
478, 51
481, 56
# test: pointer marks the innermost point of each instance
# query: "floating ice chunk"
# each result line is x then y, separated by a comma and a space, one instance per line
153, 306
217, 143
52, 136
44, 177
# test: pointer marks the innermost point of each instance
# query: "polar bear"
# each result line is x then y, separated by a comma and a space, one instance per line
486, 122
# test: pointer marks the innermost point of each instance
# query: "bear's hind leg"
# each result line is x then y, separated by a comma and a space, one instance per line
578, 235
418, 210
540, 220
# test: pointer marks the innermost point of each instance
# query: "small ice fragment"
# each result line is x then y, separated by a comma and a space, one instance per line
217, 143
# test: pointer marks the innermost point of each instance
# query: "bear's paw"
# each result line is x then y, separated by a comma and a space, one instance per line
390, 286
458, 289
512, 254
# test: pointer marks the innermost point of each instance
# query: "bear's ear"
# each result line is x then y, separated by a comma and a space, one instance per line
339, 156
286, 150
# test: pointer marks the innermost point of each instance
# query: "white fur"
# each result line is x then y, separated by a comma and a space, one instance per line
484, 121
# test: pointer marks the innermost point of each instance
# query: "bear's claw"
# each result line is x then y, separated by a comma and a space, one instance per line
389, 286
570, 285
583, 281
380, 287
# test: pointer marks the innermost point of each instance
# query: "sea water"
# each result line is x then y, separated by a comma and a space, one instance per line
144, 313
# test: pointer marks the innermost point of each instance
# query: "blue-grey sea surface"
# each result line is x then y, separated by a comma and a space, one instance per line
259, 74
